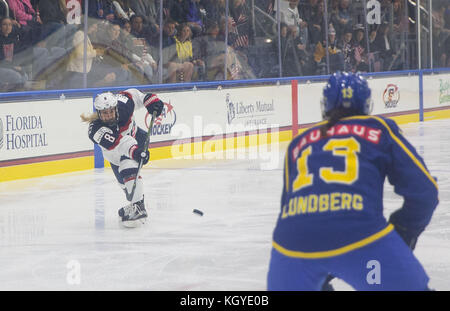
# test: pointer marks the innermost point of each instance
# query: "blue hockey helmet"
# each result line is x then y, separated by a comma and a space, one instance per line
347, 91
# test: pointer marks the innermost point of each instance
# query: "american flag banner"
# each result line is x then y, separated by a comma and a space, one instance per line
234, 66
234, 72
360, 54
239, 28
166, 12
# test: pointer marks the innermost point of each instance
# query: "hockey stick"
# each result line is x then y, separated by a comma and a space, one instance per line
141, 162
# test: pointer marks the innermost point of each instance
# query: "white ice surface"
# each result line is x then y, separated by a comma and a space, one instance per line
58, 228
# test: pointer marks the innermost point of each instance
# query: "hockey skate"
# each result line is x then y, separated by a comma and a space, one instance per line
133, 215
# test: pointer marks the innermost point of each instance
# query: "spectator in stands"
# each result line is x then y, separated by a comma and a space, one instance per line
147, 32
342, 18
315, 24
188, 11
182, 59
290, 16
167, 5
126, 27
139, 52
336, 58
116, 55
95, 9
53, 15
12, 75
9, 35
45, 61
110, 39
441, 37
23, 11
177, 11
122, 10
400, 19
383, 44
5, 11
307, 9
215, 10
385, 8
302, 48
375, 46
101, 9
148, 10
360, 57
212, 51
237, 62
101, 67
240, 33
29, 20
231, 36
289, 58
346, 46
333, 8
75, 65
195, 16
169, 32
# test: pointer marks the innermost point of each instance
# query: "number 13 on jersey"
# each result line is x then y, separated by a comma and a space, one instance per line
348, 148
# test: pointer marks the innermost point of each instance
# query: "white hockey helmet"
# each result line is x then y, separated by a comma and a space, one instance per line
106, 101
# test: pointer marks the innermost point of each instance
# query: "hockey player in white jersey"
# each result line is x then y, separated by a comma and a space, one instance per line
113, 128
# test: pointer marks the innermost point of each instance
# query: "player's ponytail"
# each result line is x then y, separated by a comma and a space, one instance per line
89, 118
334, 116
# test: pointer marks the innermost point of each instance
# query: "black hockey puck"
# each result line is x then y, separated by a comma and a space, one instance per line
197, 211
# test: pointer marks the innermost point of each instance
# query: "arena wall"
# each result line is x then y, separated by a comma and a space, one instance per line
45, 137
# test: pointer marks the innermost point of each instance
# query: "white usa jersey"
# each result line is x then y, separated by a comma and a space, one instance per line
116, 141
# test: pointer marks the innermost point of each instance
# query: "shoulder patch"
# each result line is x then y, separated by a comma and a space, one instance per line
122, 97
100, 133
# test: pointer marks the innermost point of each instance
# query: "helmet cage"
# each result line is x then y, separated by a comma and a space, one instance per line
106, 101
111, 122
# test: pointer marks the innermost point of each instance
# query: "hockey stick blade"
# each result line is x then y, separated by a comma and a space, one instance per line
147, 142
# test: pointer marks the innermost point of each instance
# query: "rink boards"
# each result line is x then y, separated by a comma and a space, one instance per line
46, 137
